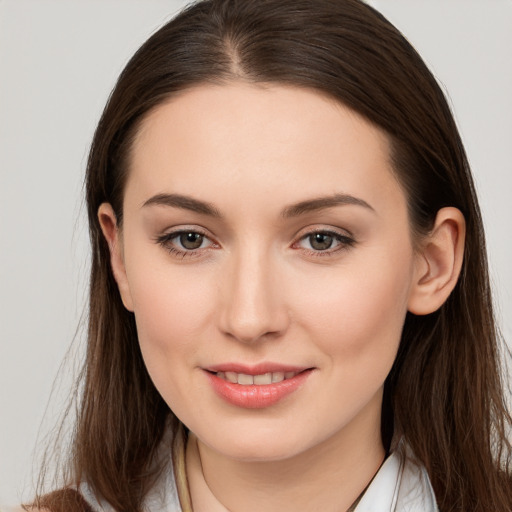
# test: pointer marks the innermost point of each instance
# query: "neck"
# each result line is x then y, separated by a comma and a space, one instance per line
329, 476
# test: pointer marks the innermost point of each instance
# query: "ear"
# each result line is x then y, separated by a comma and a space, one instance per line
438, 262
111, 232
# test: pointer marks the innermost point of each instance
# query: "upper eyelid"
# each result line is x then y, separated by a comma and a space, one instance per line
298, 235
342, 232
172, 232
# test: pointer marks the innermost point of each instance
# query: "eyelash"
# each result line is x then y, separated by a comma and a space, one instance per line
344, 242
165, 242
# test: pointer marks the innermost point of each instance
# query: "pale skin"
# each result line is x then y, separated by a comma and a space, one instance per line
276, 276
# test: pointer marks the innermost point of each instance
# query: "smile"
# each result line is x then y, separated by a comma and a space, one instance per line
258, 380
258, 389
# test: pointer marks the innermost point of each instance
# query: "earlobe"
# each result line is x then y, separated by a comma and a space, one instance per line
438, 263
108, 222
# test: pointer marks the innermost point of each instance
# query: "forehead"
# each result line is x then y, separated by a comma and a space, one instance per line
257, 138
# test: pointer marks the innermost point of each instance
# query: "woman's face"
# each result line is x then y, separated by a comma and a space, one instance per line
264, 238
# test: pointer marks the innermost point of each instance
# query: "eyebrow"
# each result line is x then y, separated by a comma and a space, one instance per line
295, 210
321, 203
185, 203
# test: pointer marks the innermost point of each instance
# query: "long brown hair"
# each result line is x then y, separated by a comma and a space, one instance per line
445, 390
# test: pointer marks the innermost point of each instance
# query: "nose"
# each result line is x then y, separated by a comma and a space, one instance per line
253, 305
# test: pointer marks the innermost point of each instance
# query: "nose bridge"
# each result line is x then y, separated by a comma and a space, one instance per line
252, 302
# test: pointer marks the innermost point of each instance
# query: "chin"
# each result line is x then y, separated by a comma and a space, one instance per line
255, 452
258, 443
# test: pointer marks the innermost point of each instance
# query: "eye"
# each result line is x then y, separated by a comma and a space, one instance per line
190, 240
184, 242
321, 241
324, 241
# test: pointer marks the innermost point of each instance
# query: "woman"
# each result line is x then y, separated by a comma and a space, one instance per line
289, 288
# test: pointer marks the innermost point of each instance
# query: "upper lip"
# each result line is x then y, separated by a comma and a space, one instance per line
258, 369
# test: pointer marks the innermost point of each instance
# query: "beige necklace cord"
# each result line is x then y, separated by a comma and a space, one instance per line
180, 471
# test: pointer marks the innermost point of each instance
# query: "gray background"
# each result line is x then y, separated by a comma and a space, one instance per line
58, 62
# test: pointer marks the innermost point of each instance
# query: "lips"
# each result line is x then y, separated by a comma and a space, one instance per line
258, 386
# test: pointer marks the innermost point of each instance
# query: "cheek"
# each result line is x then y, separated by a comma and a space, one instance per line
169, 327
356, 323
172, 309
358, 313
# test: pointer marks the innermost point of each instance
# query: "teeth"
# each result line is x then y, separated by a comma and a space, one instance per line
277, 376
258, 380
230, 377
266, 378
244, 379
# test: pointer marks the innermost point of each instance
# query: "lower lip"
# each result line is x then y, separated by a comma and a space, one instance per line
256, 396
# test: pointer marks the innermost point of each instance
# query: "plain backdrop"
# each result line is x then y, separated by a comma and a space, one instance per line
58, 62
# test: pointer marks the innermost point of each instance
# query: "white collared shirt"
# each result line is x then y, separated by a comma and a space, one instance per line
400, 485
